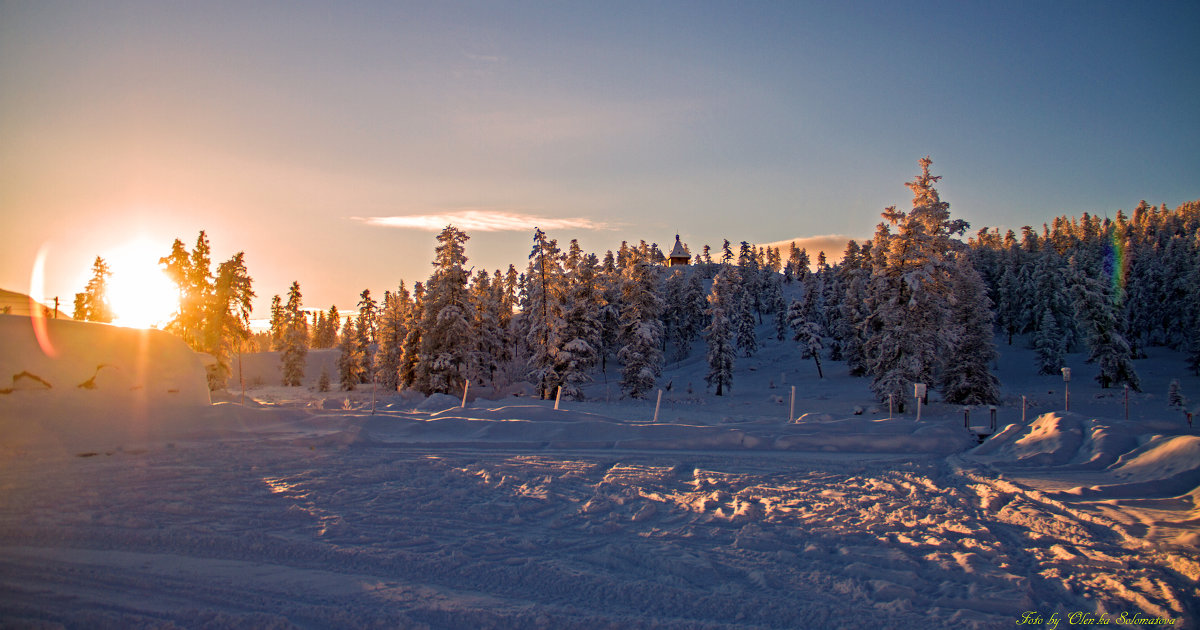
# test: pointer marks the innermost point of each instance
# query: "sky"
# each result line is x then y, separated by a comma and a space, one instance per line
331, 141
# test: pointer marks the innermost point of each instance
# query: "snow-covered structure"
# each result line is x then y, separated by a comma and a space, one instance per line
679, 255
13, 303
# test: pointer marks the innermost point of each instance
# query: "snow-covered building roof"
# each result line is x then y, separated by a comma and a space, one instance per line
679, 254
13, 303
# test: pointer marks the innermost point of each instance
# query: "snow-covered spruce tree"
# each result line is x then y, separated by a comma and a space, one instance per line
368, 313
350, 360
641, 330
1049, 291
545, 288
684, 310
1142, 306
721, 349
446, 345
967, 377
581, 323
749, 268
277, 323
609, 282
323, 381
327, 337
92, 305
504, 298
485, 328
210, 317
410, 357
228, 321
295, 339
695, 310
807, 331
1048, 344
850, 326
741, 315
673, 308
908, 333
798, 263
1008, 313
1181, 268
831, 311
192, 273
392, 329
366, 354
811, 308
1097, 316
316, 330
776, 306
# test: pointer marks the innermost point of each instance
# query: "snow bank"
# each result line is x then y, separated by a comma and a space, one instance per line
86, 382
1165, 466
1130, 460
99, 363
533, 426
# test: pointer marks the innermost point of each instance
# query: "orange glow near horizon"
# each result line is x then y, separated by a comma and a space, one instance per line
139, 291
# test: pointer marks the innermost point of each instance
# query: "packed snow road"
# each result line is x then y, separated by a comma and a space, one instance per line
276, 533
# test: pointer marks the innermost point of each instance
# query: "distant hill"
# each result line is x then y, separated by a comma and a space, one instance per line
14, 303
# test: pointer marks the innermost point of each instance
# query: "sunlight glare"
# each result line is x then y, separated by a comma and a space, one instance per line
139, 291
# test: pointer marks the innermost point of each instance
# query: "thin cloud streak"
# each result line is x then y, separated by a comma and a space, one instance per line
484, 221
834, 246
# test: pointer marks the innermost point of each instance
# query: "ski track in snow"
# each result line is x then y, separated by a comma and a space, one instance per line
276, 533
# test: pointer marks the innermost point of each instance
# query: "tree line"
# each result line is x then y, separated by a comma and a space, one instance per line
914, 304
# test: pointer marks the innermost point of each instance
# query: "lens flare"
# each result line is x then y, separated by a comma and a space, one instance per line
1116, 266
37, 313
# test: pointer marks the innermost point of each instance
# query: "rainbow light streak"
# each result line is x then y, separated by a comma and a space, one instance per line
1116, 266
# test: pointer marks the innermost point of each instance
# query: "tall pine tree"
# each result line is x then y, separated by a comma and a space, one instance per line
543, 315
641, 330
446, 344
911, 291
722, 353
295, 339
966, 377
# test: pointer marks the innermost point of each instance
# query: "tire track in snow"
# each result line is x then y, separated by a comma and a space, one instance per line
1084, 560
633, 539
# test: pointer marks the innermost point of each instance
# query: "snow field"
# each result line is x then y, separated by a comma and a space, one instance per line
301, 509
267, 528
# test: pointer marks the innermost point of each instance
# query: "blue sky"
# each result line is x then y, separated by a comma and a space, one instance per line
311, 134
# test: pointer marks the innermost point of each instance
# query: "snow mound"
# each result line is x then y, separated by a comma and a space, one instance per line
1165, 466
1061, 439
439, 402
105, 365
1127, 461
91, 387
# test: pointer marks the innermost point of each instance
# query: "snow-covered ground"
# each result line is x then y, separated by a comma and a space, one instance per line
302, 509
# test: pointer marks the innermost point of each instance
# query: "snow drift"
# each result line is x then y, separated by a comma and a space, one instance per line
99, 362
91, 384
1129, 459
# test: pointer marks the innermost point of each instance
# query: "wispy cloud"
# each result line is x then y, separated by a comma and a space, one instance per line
834, 245
481, 220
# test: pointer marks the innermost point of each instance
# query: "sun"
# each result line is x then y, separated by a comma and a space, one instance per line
139, 291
